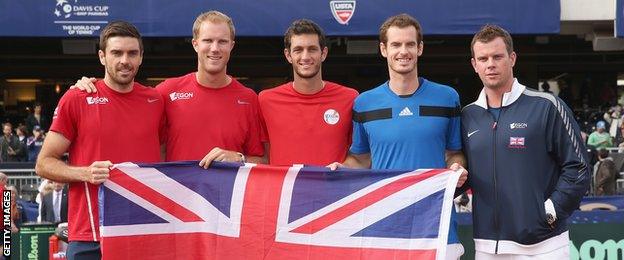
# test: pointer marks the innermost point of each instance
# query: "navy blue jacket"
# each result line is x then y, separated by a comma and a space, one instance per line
531, 153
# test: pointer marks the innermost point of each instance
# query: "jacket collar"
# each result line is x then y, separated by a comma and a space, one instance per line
508, 97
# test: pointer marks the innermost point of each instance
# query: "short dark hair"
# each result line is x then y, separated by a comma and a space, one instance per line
304, 26
119, 29
22, 129
490, 32
401, 21
603, 153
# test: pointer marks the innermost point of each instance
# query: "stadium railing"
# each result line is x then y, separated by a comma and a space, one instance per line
22, 175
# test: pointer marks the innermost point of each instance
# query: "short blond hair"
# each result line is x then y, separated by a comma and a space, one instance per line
213, 17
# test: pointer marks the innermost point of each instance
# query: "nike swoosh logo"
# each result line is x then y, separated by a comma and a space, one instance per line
473, 132
149, 100
242, 102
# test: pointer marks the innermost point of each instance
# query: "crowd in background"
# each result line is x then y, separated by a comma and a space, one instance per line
23, 143
601, 118
48, 205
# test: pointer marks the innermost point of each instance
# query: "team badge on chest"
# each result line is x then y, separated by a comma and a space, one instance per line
331, 117
516, 142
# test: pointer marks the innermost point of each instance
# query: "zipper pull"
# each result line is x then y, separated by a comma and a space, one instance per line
494, 125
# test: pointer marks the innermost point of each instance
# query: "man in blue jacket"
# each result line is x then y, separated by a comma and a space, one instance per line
526, 158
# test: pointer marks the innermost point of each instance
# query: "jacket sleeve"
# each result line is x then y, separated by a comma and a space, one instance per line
565, 145
467, 184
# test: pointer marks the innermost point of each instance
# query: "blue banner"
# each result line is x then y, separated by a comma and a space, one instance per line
76, 18
619, 18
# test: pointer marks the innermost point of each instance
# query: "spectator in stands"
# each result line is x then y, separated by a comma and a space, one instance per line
37, 119
605, 175
546, 87
3, 181
34, 144
16, 210
45, 187
600, 138
621, 141
10, 146
613, 118
21, 133
54, 204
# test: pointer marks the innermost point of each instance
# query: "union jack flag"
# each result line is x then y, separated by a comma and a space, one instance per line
516, 141
231, 211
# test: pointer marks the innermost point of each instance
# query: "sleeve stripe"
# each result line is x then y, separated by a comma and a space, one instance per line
567, 123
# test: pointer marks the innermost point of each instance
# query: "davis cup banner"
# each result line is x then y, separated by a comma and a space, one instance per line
232, 211
163, 18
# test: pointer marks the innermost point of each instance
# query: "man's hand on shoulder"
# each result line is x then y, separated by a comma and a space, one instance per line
85, 84
97, 172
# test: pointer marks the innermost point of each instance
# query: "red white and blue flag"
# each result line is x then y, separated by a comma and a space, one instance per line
181, 211
516, 141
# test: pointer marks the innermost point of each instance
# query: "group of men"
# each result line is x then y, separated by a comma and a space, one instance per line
406, 123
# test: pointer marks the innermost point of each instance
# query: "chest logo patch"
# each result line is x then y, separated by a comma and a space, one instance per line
180, 95
516, 142
406, 112
518, 125
97, 100
331, 117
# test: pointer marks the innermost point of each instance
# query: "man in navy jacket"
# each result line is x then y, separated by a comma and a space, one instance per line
526, 157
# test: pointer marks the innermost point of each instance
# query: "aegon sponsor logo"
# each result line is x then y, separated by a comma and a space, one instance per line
594, 250
180, 95
55, 112
97, 100
518, 125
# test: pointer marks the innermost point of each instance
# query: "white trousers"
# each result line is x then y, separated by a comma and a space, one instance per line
560, 253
